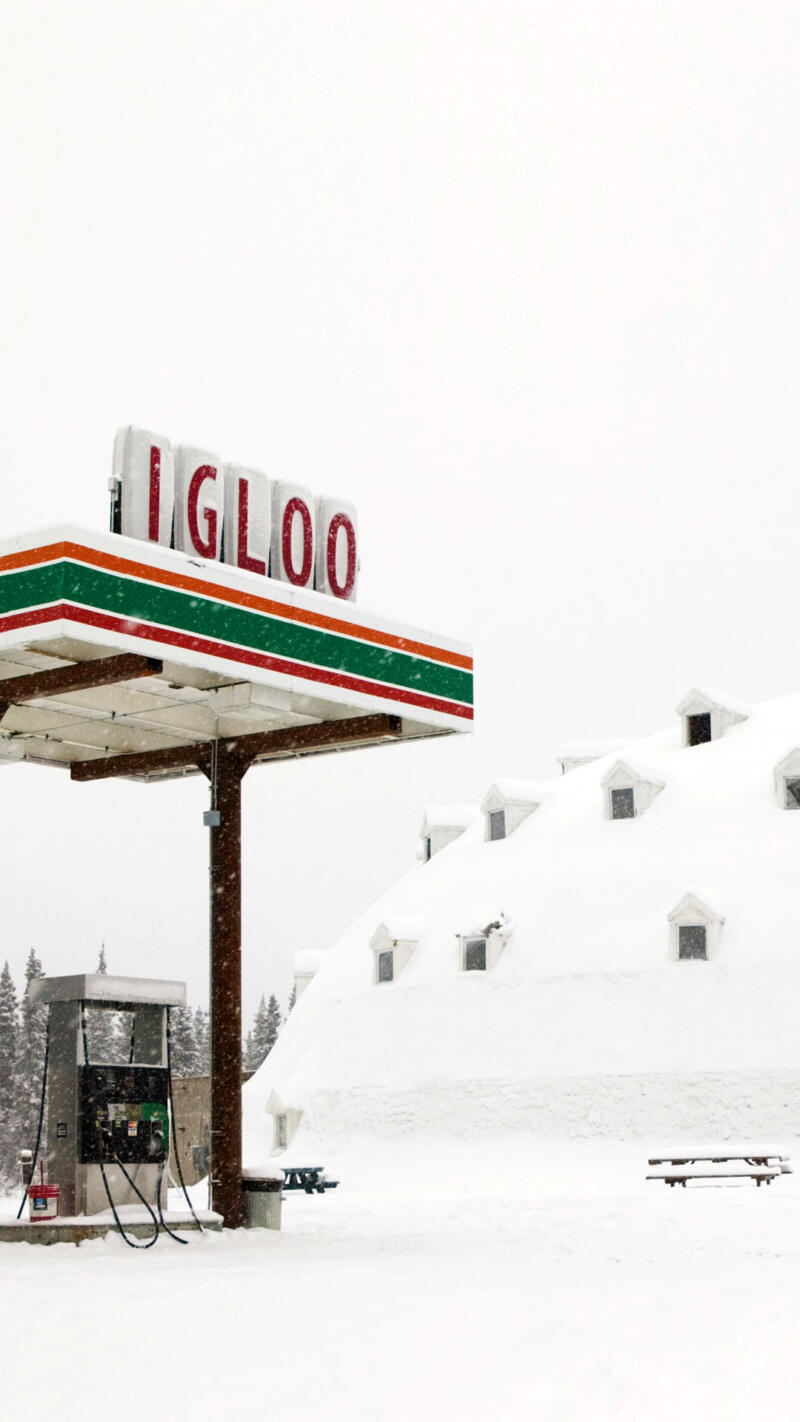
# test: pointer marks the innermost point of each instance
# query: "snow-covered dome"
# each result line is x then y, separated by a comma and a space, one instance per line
640, 967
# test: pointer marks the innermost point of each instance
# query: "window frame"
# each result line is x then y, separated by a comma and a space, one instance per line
380, 957
629, 792
472, 942
691, 956
692, 721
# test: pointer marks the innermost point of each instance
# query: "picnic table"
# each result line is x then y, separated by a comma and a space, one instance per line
758, 1164
310, 1178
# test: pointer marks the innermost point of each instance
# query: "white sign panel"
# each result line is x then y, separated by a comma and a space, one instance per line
198, 502
190, 500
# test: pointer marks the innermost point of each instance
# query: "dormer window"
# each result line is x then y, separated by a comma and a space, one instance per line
506, 804
787, 781
622, 804
706, 718
692, 940
306, 963
698, 729
442, 824
627, 793
393, 944
285, 1121
694, 930
474, 955
478, 952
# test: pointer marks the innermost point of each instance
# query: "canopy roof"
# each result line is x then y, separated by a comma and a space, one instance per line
112, 648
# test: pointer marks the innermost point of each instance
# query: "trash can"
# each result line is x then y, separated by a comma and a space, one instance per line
262, 1198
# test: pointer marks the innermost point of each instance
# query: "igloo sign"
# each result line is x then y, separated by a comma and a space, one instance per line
187, 499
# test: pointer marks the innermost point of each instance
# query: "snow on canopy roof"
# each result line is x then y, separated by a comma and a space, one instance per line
711, 701
525, 792
448, 816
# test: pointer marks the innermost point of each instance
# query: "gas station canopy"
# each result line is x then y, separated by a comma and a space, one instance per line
127, 658
121, 657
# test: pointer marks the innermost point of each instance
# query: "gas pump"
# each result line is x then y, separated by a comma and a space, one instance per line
108, 1124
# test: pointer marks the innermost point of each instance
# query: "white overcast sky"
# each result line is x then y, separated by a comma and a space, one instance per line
519, 279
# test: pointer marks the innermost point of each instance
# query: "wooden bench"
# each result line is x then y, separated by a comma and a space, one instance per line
310, 1178
761, 1166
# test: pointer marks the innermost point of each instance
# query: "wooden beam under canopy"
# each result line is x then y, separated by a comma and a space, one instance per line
78, 676
323, 736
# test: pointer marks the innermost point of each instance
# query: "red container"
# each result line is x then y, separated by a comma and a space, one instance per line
43, 1201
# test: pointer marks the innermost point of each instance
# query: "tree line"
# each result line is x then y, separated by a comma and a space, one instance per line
23, 1027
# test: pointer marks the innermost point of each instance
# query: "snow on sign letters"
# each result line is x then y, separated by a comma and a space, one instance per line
187, 499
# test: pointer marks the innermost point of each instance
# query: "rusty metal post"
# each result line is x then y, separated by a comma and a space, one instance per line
226, 988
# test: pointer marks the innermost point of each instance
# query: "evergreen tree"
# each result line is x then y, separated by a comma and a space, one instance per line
202, 1043
9, 1105
108, 1033
30, 1057
274, 1022
292, 998
264, 1034
184, 1055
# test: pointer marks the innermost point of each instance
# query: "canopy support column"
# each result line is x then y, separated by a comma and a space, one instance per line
227, 772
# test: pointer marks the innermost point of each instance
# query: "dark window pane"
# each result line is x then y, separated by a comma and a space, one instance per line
427, 847
692, 941
792, 794
385, 967
497, 824
475, 955
699, 728
622, 805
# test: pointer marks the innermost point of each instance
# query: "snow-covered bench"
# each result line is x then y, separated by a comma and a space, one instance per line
761, 1166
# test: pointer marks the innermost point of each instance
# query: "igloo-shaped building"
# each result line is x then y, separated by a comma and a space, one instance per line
640, 970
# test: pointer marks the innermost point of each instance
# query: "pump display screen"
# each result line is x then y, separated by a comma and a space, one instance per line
124, 1114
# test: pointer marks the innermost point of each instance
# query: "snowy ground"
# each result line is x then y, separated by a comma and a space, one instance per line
513, 1280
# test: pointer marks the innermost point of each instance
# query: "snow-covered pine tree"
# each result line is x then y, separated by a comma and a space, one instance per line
202, 1042
292, 998
183, 1050
9, 1105
30, 1057
274, 1022
108, 1033
264, 1033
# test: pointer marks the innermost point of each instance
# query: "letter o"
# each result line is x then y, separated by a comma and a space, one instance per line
297, 506
338, 589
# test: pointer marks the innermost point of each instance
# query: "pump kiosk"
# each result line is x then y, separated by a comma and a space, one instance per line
128, 656
103, 1119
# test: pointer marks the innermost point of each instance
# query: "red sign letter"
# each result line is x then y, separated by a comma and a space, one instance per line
253, 565
208, 548
297, 506
155, 492
344, 589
